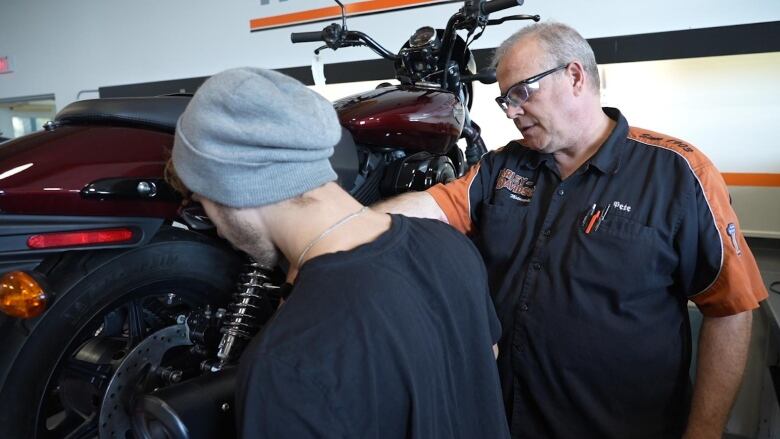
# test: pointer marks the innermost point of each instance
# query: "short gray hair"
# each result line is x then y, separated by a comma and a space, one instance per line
561, 43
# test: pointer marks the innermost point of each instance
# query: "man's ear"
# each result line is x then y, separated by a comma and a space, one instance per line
577, 77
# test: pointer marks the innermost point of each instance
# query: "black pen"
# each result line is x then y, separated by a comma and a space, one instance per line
603, 215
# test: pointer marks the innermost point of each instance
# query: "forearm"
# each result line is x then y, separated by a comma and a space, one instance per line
414, 204
723, 349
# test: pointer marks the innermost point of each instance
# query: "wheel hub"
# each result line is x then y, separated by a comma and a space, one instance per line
115, 412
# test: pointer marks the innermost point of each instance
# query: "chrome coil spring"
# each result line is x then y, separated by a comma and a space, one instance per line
250, 308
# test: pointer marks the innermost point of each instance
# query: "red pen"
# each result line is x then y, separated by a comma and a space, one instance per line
593, 220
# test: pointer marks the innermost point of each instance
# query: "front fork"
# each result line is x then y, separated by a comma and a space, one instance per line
475, 146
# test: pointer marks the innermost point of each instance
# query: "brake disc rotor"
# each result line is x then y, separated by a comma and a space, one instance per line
115, 416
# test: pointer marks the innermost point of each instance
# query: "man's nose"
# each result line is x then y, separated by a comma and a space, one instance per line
514, 111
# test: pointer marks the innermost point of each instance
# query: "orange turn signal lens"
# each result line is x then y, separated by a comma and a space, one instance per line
21, 295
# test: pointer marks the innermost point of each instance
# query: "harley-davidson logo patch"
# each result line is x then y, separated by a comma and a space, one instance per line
522, 188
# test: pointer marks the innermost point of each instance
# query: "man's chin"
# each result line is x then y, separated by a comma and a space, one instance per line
269, 261
265, 257
262, 256
533, 144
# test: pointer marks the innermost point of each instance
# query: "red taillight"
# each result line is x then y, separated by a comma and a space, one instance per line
81, 237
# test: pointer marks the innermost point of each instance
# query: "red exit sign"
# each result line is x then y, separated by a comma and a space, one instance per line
5, 65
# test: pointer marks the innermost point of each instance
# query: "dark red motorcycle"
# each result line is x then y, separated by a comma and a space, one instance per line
123, 315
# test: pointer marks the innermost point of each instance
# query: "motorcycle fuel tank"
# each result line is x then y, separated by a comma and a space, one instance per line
407, 117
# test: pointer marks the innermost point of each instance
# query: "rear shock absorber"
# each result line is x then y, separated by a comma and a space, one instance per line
254, 303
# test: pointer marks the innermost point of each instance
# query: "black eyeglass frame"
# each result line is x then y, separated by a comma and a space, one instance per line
504, 101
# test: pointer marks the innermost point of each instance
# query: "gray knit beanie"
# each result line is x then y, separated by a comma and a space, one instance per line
252, 137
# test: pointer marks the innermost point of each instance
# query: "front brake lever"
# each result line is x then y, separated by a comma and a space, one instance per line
344, 44
513, 17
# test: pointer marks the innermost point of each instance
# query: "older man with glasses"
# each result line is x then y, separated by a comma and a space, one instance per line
596, 234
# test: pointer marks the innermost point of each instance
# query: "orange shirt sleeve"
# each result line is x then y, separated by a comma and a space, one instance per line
738, 285
454, 199
713, 241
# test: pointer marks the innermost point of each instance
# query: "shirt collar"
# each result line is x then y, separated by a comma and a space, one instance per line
529, 159
536, 158
607, 158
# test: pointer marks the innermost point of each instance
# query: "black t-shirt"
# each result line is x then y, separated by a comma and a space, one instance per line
392, 339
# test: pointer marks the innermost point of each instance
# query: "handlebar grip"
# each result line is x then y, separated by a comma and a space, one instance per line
306, 37
499, 5
487, 76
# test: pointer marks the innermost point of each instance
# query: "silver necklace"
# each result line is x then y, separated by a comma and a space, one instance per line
327, 231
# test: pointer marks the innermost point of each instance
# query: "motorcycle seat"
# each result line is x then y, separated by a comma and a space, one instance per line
159, 112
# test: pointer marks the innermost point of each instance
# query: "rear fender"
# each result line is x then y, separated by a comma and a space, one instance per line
15, 230
50, 172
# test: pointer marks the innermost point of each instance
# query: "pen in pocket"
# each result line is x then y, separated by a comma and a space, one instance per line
602, 217
588, 215
592, 222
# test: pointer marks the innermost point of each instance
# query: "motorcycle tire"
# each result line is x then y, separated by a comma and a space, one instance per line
197, 269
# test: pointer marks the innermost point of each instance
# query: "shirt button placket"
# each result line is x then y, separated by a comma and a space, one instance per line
534, 269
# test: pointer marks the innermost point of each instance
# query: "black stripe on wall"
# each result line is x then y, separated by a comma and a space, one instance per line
692, 43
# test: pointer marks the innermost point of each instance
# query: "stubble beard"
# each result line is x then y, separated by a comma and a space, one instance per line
245, 236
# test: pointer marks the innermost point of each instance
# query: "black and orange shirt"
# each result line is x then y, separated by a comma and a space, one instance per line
591, 276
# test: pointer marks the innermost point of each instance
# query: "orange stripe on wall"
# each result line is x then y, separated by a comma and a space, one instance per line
740, 179
333, 12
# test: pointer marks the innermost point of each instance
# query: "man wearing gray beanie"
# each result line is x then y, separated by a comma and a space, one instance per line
388, 329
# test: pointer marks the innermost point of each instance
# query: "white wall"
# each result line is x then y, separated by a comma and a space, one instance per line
63, 47
724, 106
727, 106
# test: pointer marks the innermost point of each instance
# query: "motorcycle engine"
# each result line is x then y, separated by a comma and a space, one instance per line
416, 172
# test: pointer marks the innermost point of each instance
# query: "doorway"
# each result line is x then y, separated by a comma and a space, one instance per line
24, 115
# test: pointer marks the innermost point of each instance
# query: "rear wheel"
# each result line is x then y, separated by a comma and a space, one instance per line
60, 364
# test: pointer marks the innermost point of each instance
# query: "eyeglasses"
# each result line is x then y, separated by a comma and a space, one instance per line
517, 94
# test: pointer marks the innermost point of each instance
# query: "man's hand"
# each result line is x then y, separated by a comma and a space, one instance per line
414, 204
723, 349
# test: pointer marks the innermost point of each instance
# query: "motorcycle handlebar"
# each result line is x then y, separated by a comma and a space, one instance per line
499, 5
306, 37
487, 76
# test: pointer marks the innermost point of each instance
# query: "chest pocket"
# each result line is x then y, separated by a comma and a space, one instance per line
621, 255
501, 233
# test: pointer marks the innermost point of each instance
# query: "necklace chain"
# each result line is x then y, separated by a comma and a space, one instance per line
327, 231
